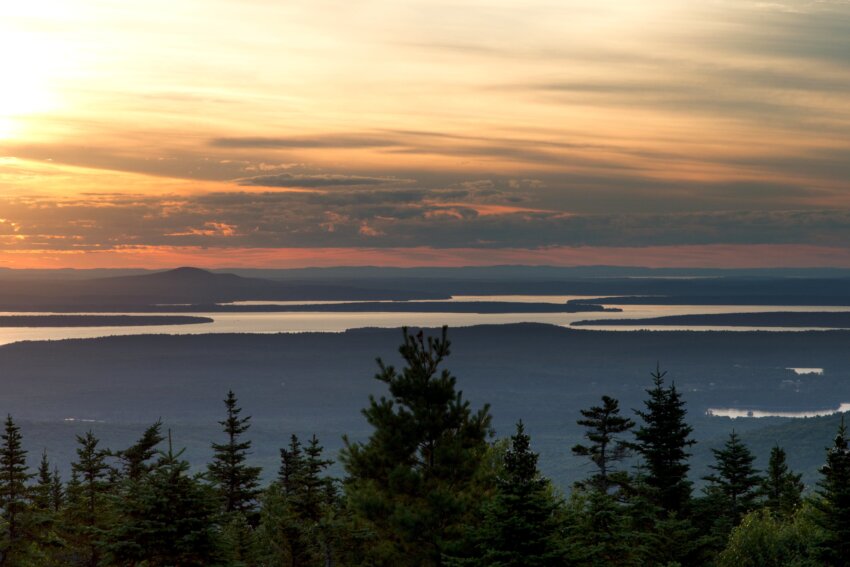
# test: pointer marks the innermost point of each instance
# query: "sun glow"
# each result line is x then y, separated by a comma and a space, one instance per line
31, 61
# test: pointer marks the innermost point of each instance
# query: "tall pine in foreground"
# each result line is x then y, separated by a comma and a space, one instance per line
236, 481
14, 476
833, 504
412, 485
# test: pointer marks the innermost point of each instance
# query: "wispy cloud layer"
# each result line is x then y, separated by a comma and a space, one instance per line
422, 123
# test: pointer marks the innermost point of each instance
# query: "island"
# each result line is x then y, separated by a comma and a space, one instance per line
786, 319
98, 320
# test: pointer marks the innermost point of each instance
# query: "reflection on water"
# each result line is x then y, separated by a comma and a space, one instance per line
454, 299
736, 413
338, 322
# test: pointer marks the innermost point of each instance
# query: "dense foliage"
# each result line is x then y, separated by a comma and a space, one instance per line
430, 487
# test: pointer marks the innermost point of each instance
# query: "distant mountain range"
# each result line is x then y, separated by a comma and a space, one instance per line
181, 285
64, 290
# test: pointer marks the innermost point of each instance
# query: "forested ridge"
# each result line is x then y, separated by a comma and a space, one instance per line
429, 487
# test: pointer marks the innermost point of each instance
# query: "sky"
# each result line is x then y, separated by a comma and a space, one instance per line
266, 133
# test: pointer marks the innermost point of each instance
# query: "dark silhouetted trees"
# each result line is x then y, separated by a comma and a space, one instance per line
662, 442
781, 489
519, 524
735, 480
603, 427
14, 476
236, 481
833, 504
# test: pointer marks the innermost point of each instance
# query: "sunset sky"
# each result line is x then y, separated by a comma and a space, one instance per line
276, 133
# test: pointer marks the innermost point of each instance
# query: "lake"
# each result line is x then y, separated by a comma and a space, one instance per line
299, 322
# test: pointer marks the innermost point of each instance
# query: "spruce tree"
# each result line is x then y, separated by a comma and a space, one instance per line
413, 484
290, 474
14, 501
169, 518
44, 514
833, 504
135, 460
781, 488
662, 441
736, 480
57, 490
298, 525
87, 515
603, 426
519, 527
42, 491
237, 483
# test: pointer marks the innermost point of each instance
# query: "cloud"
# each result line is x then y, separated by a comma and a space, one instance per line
349, 141
319, 180
450, 218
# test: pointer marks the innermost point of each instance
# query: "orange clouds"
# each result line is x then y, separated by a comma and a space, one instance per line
716, 256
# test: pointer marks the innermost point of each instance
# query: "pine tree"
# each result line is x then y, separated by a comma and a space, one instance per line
14, 476
413, 484
42, 492
57, 491
291, 465
87, 514
135, 459
237, 483
833, 506
736, 480
298, 525
43, 516
169, 518
662, 441
519, 526
781, 489
603, 426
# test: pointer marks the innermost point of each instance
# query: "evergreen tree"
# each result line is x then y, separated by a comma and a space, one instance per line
57, 491
168, 519
736, 480
43, 516
603, 426
600, 532
292, 466
87, 515
834, 502
135, 459
42, 492
298, 526
413, 484
519, 526
662, 441
14, 476
781, 489
237, 483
